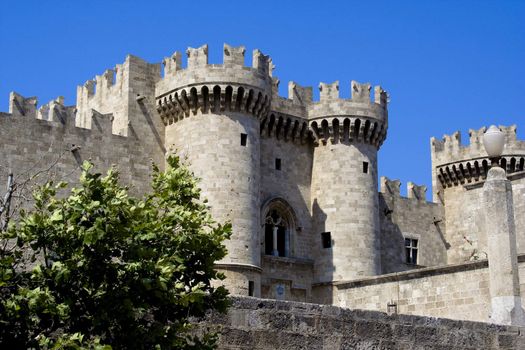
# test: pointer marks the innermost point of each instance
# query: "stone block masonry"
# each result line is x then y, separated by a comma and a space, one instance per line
458, 174
297, 178
260, 324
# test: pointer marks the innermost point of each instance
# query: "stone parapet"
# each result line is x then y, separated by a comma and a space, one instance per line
55, 114
203, 87
253, 323
358, 119
391, 188
474, 171
456, 164
117, 91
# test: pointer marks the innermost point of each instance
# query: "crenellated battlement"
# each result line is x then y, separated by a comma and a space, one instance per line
360, 93
203, 87
295, 105
55, 114
391, 188
358, 119
54, 111
454, 163
22, 106
300, 95
450, 147
199, 71
116, 91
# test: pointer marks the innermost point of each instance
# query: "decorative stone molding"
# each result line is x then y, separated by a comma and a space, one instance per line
187, 101
475, 170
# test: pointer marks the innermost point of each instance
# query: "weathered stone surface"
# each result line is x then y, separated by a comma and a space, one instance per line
504, 282
311, 163
339, 328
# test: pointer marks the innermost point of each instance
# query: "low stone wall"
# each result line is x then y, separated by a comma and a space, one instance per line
253, 323
459, 291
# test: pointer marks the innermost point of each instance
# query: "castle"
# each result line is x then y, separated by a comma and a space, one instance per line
297, 178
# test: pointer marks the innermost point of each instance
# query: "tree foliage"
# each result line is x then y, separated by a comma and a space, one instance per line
110, 270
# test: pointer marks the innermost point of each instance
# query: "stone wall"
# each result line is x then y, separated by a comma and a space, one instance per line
229, 173
292, 184
465, 222
264, 324
345, 203
287, 278
31, 145
458, 175
410, 217
458, 291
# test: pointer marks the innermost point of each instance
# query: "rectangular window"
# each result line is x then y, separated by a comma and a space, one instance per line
365, 167
411, 251
251, 287
244, 139
326, 237
278, 163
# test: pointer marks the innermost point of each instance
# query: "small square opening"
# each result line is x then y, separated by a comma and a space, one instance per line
278, 163
365, 167
326, 238
244, 139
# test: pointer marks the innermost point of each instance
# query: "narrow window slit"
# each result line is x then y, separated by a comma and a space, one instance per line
251, 287
326, 238
278, 163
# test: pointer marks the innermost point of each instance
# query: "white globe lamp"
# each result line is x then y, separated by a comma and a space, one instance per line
494, 141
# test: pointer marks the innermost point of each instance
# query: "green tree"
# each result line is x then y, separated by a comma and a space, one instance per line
110, 270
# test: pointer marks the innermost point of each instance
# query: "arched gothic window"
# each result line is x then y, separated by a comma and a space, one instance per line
279, 228
275, 235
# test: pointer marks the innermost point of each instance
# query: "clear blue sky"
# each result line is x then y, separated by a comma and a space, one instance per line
448, 65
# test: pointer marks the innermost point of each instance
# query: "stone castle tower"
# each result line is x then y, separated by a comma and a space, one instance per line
296, 177
233, 107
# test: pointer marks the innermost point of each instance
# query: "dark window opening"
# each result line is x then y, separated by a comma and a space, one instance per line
268, 240
326, 237
411, 251
278, 163
365, 167
251, 287
244, 139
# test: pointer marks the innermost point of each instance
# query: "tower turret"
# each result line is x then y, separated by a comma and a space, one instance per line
212, 116
347, 133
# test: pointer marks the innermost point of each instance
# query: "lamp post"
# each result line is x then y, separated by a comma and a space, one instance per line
505, 299
494, 142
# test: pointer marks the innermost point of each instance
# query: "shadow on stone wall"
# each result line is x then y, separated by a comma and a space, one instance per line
324, 261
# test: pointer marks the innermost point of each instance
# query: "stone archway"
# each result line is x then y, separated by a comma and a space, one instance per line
278, 228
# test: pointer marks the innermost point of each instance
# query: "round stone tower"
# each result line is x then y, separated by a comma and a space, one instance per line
348, 134
211, 113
